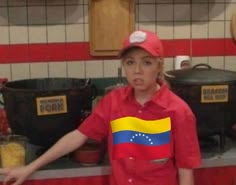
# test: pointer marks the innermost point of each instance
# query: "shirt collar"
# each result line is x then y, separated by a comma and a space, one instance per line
128, 92
160, 97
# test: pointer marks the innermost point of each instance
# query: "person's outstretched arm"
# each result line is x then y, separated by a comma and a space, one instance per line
65, 145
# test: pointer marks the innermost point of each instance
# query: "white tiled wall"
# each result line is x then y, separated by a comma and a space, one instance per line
38, 70
76, 69
56, 21
20, 71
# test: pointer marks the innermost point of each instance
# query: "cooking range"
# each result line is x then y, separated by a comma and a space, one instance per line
211, 94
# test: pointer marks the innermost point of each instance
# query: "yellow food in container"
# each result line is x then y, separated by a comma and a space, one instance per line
13, 153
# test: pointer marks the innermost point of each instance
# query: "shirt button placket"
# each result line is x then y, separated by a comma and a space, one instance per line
130, 180
131, 159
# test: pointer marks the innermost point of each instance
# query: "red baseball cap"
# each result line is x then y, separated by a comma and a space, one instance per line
144, 39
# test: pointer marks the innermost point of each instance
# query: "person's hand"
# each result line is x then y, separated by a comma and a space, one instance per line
15, 176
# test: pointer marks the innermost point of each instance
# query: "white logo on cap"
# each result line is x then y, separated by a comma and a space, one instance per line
137, 37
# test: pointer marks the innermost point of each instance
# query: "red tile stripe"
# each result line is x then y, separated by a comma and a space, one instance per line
29, 53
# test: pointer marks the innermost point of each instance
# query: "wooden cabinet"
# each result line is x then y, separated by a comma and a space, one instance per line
110, 21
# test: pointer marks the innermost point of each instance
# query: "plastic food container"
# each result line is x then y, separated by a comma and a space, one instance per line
91, 153
13, 151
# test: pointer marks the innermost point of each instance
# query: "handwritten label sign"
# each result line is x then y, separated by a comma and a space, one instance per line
51, 105
214, 93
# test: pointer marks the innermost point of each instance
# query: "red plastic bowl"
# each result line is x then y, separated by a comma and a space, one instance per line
89, 154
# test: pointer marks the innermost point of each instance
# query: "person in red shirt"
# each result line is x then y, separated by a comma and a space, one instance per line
151, 133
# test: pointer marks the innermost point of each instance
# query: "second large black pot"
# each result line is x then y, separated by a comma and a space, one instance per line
211, 93
45, 109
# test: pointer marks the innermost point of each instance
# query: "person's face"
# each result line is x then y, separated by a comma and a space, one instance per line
141, 69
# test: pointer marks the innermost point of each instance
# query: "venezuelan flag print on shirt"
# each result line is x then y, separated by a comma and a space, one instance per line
142, 139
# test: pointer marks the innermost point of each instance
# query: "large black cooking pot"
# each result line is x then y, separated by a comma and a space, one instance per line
211, 93
45, 109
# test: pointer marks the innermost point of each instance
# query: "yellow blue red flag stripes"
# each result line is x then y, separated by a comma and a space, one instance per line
141, 138
133, 136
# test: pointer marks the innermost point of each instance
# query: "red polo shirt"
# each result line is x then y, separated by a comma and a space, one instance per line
146, 144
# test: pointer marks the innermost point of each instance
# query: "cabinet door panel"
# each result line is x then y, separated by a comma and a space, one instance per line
110, 21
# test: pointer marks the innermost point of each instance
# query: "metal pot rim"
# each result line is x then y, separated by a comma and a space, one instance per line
199, 75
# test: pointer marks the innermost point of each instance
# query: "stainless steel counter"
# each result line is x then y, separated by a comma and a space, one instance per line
67, 168
80, 171
64, 168
226, 158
